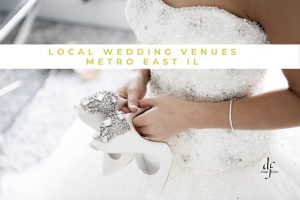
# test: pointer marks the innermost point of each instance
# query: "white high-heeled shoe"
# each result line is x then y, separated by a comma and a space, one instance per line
117, 135
94, 117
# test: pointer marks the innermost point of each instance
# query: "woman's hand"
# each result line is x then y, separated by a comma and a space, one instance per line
134, 89
164, 118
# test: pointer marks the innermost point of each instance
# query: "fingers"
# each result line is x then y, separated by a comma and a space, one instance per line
143, 126
140, 120
133, 100
122, 93
125, 109
132, 97
134, 103
144, 132
146, 103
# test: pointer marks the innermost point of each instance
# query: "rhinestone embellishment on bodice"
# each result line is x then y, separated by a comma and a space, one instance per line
212, 149
154, 22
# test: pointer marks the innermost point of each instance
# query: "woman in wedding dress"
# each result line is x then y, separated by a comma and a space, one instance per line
189, 110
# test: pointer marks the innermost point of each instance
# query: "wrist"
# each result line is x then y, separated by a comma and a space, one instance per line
188, 114
143, 74
208, 115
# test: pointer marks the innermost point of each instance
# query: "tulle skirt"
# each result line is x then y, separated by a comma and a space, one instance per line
74, 172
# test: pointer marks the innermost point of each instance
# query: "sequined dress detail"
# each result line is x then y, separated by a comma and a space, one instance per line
212, 149
155, 22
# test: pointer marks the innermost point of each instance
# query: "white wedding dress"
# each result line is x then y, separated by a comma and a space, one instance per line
208, 164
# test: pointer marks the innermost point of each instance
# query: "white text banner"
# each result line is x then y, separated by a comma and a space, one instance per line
149, 56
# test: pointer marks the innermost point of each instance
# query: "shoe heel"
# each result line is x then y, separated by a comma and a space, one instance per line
132, 142
111, 162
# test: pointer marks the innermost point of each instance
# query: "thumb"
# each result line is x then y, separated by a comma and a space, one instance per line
133, 101
148, 102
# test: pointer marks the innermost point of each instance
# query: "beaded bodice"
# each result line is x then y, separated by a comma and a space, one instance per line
154, 22
205, 84
212, 149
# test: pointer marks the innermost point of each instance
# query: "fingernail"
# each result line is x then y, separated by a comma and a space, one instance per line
133, 106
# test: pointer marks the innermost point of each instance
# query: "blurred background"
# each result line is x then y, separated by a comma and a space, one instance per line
36, 106
64, 22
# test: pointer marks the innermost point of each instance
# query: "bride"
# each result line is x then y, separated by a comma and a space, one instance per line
222, 134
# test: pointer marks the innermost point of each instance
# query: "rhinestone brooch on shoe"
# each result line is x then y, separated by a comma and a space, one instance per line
112, 126
115, 123
101, 102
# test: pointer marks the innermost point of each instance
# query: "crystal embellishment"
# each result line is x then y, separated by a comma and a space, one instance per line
101, 102
107, 122
120, 115
100, 97
112, 127
155, 22
105, 102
